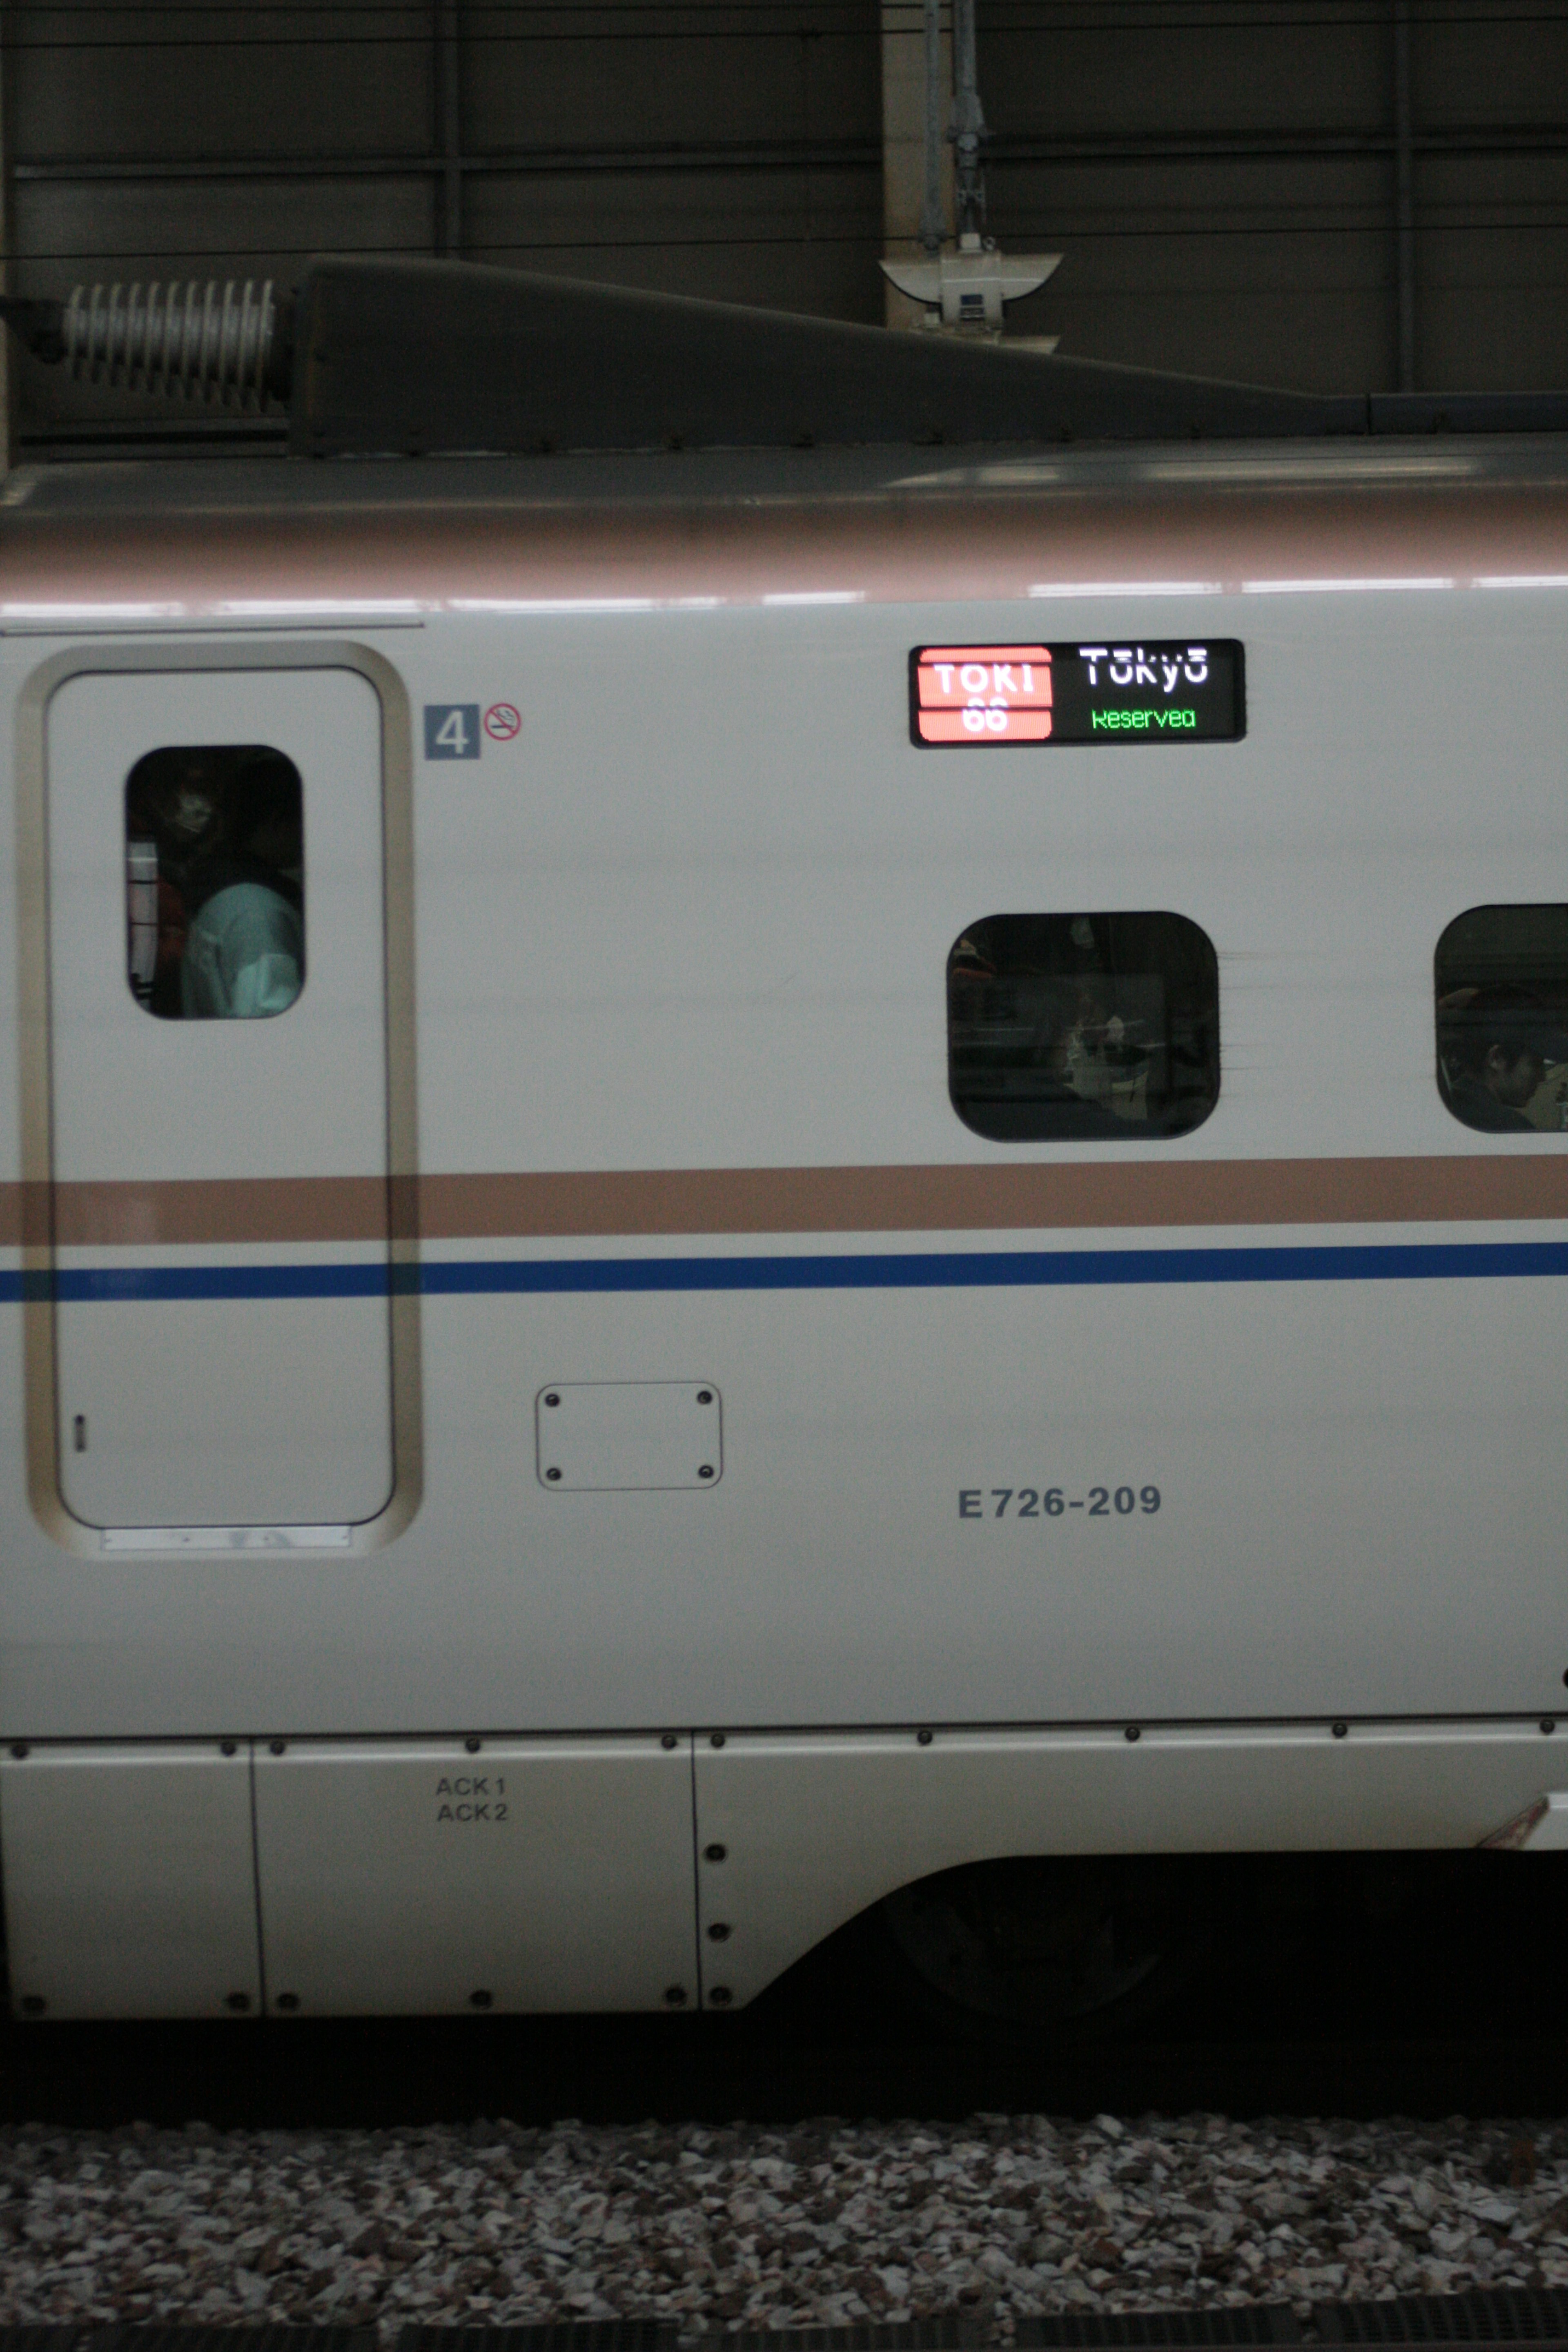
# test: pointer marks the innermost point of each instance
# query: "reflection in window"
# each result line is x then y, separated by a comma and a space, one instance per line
214, 866
1082, 1027
1503, 1018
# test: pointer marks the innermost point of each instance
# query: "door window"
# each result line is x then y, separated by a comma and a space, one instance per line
215, 871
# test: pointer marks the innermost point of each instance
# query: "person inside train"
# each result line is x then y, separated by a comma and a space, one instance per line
171, 804
245, 950
1494, 1044
1018, 1035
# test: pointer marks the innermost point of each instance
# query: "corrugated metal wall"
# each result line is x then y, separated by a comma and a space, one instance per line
1222, 175
1223, 181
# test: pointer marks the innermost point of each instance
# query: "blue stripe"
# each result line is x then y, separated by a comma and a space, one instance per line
881, 1270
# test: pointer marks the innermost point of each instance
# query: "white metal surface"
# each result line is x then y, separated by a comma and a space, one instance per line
712, 953
129, 1885
410, 1876
1542, 1829
629, 1435
814, 1828
236, 1409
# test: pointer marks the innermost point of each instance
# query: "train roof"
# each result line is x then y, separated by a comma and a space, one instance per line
164, 489
149, 545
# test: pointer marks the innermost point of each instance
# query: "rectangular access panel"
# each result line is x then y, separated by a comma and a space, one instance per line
129, 1886
217, 1015
628, 1436
414, 1876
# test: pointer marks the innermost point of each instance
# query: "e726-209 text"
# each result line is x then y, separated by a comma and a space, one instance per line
1055, 1503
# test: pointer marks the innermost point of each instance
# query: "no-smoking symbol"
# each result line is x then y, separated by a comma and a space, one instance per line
503, 721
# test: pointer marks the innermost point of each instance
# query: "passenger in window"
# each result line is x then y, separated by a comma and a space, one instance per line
172, 805
1050, 1046
244, 948
1082, 1027
970, 972
1493, 1046
1548, 1110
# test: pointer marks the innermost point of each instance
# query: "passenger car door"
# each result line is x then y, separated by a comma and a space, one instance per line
220, 1235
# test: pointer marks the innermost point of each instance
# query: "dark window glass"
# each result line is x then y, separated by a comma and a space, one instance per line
1503, 1018
215, 880
1082, 1027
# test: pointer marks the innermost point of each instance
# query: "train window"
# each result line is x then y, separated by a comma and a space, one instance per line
1082, 1027
215, 871
1501, 976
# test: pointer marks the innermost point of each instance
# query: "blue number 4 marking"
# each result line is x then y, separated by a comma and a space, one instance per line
451, 730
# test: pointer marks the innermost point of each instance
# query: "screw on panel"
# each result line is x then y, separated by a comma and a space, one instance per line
31, 2006
704, 1396
706, 1471
228, 1748
668, 1739
715, 1740
552, 1398
553, 1475
481, 1999
1340, 1729
473, 1745
675, 1996
238, 2002
278, 1746
924, 1738
720, 1997
1133, 1732
719, 1932
1549, 1725
714, 1852
19, 1749
288, 2000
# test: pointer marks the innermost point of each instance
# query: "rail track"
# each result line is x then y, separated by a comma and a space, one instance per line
1500, 2318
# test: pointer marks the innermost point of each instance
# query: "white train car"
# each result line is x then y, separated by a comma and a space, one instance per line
903, 1205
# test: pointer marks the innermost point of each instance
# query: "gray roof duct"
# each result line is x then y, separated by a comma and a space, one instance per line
383, 358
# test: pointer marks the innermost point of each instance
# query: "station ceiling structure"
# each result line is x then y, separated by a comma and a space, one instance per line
1324, 194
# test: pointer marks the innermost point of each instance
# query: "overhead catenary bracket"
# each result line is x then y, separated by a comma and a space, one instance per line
962, 286
969, 288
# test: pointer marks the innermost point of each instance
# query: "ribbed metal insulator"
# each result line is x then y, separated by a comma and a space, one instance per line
212, 339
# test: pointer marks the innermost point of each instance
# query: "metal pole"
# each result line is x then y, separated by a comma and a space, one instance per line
915, 101
448, 102
1403, 198
968, 123
8, 368
933, 212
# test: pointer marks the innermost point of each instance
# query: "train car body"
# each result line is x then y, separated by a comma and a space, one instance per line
571, 1460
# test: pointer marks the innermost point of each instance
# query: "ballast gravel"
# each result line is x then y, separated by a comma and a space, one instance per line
820, 2223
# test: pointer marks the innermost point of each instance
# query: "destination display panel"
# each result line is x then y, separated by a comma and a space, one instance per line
1164, 690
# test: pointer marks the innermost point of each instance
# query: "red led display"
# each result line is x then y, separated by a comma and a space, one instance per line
976, 694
